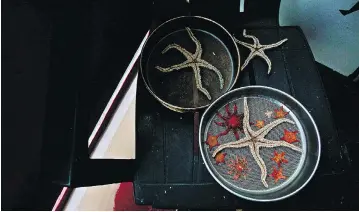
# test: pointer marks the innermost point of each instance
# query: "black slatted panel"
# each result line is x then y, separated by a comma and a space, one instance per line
188, 183
296, 39
178, 147
308, 89
278, 77
149, 138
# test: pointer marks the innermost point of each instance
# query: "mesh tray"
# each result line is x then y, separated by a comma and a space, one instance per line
254, 142
189, 61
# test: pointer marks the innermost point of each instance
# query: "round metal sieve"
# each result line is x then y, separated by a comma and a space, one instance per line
259, 143
188, 62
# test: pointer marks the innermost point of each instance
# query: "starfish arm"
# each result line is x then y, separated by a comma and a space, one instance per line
255, 40
247, 45
187, 54
246, 125
235, 108
196, 41
265, 57
260, 162
222, 124
197, 76
251, 55
236, 134
266, 129
221, 117
234, 144
174, 67
209, 66
269, 143
274, 44
227, 110
224, 133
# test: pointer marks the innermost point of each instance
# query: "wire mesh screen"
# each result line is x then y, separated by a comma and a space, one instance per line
179, 85
267, 157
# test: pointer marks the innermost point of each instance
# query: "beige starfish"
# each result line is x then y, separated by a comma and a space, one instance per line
268, 114
257, 49
193, 61
256, 139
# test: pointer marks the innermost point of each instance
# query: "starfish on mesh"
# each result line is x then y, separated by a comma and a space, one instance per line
232, 122
256, 140
238, 167
257, 49
193, 61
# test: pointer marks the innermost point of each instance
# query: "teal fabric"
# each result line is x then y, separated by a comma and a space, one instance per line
333, 38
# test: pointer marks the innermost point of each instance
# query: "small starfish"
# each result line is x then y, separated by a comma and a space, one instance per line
269, 114
238, 167
259, 123
220, 158
279, 158
289, 136
212, 141
193, 61
256, 139
232, 121
277, 174
257, 49
280, 113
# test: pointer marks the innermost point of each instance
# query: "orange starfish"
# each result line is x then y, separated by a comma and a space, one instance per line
259, 123
289, 136
277, 174
279, 158
280, 113
212, 141
220, 158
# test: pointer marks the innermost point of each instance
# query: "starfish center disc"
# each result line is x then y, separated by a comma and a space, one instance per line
234, 122
239, 167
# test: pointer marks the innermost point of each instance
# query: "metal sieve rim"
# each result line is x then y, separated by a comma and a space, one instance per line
204, 125
298, 166
188, 109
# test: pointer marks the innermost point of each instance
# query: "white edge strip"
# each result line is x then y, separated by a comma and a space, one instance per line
115, 122
118, 88
241, 6
78, 193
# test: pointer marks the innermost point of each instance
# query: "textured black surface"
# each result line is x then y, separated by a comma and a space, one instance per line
90, 53
50, 49
295, 72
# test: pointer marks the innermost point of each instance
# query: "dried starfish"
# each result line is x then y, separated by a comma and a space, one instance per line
232, 122
193, 61
255, 140
257, 49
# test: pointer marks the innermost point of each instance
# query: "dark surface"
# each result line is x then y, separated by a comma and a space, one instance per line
105, 40
61, 62
56, 39
26, 37
171, 173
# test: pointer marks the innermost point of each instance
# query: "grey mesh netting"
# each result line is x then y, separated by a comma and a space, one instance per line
258, 107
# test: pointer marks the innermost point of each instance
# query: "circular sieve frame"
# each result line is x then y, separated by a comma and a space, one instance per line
234, 57
312, 146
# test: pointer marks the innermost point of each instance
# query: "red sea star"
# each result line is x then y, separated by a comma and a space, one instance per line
279, 158
289, 136
220, 158
280, 113
238, 167
233, 121
212, 141
260, 124
277, 174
